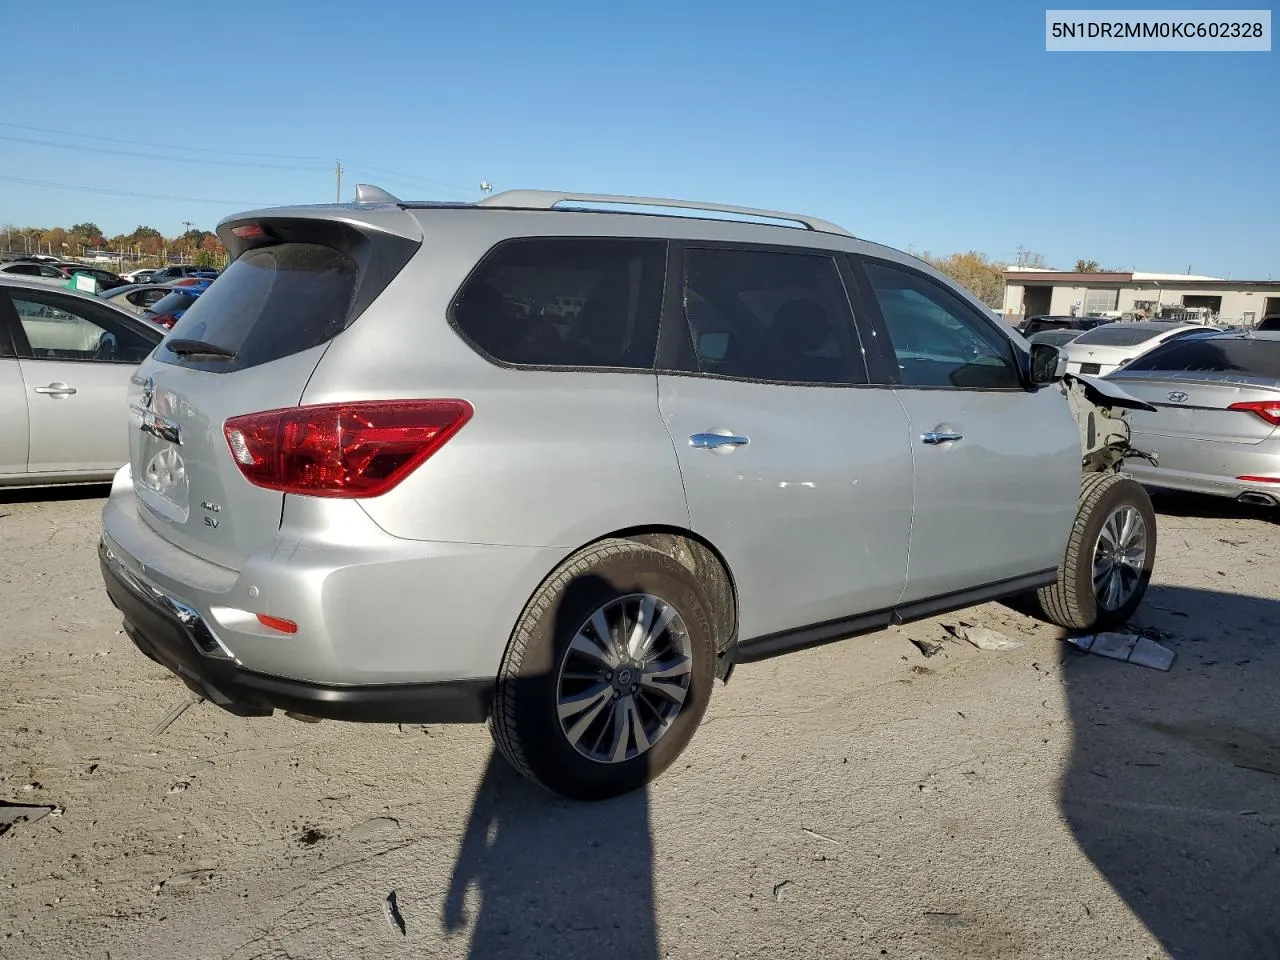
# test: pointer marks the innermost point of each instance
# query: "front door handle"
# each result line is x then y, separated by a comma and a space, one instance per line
934, 437
717, 441
56, 389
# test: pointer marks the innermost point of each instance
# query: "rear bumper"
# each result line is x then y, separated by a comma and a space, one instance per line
1208, 467
175, 636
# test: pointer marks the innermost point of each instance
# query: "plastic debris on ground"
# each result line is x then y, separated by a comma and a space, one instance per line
983, 638
1126, 646
927, 647
12, 814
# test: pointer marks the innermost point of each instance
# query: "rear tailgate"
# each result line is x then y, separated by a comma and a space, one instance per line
249, 344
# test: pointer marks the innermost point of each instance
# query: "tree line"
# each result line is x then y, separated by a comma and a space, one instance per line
145, 243
985, 277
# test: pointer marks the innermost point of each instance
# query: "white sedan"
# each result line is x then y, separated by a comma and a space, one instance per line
65, 363
1109, 347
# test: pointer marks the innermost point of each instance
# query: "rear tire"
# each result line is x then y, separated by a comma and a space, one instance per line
1109, 558
592, 720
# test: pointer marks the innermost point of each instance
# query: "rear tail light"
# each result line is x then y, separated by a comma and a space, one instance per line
166, 320
1268, 410
1251, 479
360, 449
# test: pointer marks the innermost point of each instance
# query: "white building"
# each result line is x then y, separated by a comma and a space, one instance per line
1030, 293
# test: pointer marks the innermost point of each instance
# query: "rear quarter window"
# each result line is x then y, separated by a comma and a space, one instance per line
565, 302
272, 302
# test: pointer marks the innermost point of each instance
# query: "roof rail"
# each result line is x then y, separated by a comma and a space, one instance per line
550, 199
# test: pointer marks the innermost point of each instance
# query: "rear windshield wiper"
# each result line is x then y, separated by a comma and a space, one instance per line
199, 348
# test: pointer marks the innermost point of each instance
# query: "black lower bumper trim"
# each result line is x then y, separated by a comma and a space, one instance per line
159, 634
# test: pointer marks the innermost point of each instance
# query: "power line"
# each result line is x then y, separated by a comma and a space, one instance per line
411, 177
152, 156
408, 178
161, 146
129, 193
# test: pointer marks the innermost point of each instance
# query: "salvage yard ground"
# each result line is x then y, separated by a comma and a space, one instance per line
858, 800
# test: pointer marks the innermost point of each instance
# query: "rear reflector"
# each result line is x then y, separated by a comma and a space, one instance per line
1268, 410
278, 623
360, 449
1249, 479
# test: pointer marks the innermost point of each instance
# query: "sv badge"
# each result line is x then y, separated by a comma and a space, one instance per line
210, 522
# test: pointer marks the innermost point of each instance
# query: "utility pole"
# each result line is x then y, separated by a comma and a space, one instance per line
187, 225
337, 174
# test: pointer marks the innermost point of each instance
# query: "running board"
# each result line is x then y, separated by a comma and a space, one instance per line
789, 641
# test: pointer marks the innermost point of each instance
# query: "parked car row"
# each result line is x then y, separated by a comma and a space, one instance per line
161, 303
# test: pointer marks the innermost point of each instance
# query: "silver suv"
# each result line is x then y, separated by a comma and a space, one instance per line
560, 469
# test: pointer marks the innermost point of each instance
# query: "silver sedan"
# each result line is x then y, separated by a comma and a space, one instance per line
1216, 426
65, 363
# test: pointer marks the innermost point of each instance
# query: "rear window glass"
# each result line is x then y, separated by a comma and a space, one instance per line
172, 302
270, 303
565, 302
1248, 358
1111, 336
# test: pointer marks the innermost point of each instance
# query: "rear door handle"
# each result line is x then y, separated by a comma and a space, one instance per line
934, 437
717, 441
56, 389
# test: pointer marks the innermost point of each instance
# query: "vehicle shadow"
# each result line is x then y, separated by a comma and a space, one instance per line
1176, 503
537, 875
56, 494
1173, 789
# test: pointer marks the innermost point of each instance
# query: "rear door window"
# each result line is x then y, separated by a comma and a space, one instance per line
1244, 357
771, 316
272, 302
564, 302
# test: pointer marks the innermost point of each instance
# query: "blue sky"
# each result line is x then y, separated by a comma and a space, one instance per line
937, 125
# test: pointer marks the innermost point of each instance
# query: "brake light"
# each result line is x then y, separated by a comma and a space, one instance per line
359, 449
1251, 479
1268, 410
248, 231
277, 623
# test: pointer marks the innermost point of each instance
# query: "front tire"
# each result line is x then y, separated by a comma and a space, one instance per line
608, 672
1109, 558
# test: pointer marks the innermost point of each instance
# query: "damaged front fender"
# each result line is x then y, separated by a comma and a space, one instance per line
1101, 410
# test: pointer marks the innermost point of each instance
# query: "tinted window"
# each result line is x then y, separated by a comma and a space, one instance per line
172, 303
1117, 336
1249, 358
565, 302
270, 303
62, 328
760, 315
938, 340
24, 270
145, 298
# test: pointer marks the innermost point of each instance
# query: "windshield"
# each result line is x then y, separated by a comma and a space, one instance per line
1113, 335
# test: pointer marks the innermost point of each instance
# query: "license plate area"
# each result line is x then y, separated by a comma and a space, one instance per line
1090, 368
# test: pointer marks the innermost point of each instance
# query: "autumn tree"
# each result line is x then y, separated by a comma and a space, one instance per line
983, 277
1088, 266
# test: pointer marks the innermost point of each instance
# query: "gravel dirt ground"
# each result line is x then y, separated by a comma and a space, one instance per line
857, 800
